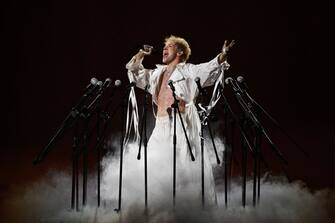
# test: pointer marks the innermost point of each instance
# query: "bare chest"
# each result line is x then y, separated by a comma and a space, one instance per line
165, 92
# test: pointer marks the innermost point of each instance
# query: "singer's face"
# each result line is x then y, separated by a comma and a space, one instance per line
169, 52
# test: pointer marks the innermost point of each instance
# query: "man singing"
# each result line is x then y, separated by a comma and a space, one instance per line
158, 81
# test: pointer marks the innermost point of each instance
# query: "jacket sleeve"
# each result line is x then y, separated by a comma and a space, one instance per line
208, 72
137, 73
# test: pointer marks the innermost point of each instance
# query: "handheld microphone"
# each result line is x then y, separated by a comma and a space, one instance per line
201, 90
148, 49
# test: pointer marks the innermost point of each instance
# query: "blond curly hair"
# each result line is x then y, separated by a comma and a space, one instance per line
182, 45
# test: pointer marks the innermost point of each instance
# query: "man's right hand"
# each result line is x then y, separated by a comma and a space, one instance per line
147, 49
140, 55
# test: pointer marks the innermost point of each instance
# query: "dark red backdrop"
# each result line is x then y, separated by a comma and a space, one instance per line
51, 49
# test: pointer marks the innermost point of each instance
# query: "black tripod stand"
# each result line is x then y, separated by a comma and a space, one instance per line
104, 119
175, 110
205, 121
143, 135
259, 131
81, 111
246, 145
122, 141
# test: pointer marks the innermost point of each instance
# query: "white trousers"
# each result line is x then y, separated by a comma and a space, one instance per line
160, 172
188, 172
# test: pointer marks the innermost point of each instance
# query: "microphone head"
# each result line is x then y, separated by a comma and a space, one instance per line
99, 83
228, 80
94, 81
108, 80
240, 79
117, 83
106, 83
197, 79
148, 48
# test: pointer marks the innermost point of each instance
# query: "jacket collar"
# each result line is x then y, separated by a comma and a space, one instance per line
161, 66
176, 75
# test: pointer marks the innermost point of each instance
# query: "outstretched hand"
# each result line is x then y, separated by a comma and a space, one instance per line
226, 48
147, 49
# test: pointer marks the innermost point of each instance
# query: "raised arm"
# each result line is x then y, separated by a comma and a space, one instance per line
136, 72
209, 72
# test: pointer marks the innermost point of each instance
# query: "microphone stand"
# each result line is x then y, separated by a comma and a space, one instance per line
75, 173
256, 175
123, 106
202, 162
225, 153
228, 144
71, 119
105, 118
204, 121
86, 114
259, 132
212, 139
245, 144
254, 103
229, 158
202, 118
258, 137
259, 155
95, 106
256, 123
68, 122
100, 117
83, 137
244, 163
145, 141
257, 159
175, 109
85, 156
236, 120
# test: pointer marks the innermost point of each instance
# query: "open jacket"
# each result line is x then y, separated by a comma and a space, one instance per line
183, 78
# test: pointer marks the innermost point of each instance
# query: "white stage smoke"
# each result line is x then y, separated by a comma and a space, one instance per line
49, 201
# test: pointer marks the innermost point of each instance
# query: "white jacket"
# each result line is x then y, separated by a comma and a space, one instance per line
183, 78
